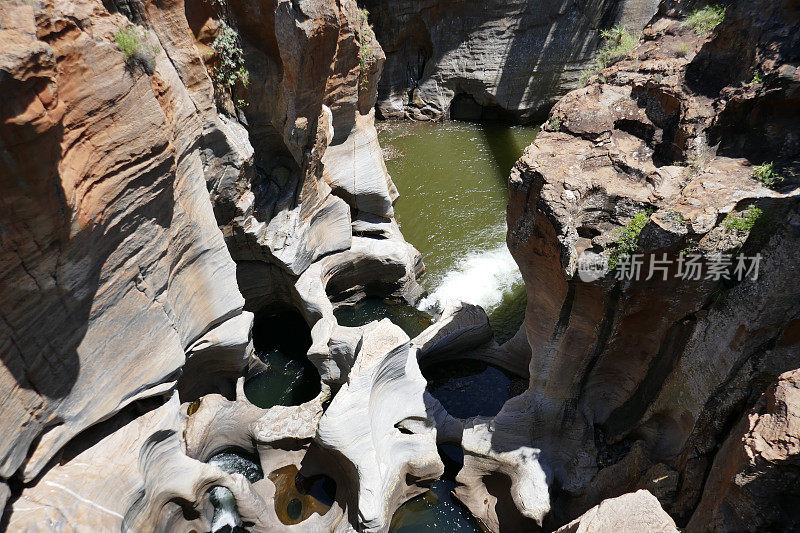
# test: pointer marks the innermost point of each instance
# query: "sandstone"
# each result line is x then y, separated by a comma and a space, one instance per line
631, 513
108, 229
636, 383
471, 59
118, 283
387, 446
755, 471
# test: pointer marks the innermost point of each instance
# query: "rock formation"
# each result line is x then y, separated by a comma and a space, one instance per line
638, 382
631, 513
118, 285
205, 160
478, 59
108, 235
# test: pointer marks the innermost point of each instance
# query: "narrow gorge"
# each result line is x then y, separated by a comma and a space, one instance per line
400, 265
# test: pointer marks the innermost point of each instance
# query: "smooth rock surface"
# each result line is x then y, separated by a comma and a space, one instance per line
474, 59
112, 262
631, 513
382, 443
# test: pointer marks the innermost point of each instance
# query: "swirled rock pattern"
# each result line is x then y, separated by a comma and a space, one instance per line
497, 59
119, 170
113, 267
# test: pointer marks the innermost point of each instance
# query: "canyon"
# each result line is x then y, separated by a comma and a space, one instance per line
214, 199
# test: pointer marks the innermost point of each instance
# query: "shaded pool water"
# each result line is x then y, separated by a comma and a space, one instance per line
411, 320
437, 510
467, 388
453, 183
281, 340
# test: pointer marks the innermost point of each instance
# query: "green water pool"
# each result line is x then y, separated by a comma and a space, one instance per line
281, 340
453, 183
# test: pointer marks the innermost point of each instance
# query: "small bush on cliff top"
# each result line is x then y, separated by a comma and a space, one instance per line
744, 222
230, 67
366, 54
705, 19
628, 238
618, 43
766, 174
136, 51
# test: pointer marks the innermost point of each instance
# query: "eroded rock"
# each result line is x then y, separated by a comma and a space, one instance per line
631, 513
635, 383
478, 60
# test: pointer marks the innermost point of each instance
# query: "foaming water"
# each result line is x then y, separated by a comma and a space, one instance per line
483, 278
453, 183
226, 515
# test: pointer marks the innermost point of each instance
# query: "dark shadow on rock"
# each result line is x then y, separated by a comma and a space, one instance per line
55, 261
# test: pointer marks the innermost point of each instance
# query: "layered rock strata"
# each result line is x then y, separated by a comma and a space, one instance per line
127, 151
652, 381
474, 59
108, 235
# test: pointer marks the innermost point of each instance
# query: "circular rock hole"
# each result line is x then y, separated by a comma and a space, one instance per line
281, 340
411, 320
468, 388
298, 497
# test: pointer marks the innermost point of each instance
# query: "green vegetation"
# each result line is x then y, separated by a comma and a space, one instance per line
705, 19
366, 53
766, 175
757, 78
230, 67
743, 222
135, 48
690, 249
554, 124
618, 43
627, 240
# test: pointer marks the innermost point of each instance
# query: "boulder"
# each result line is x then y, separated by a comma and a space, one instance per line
630, 513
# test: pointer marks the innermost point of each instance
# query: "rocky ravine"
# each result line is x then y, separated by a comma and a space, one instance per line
685, 388
489, 59
168, 205
118, 286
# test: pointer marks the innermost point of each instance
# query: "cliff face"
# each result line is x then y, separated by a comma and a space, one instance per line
654, 382
143, 190
475, 59
108, 235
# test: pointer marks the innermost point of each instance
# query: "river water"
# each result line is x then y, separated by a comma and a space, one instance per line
452, 178
453, 183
